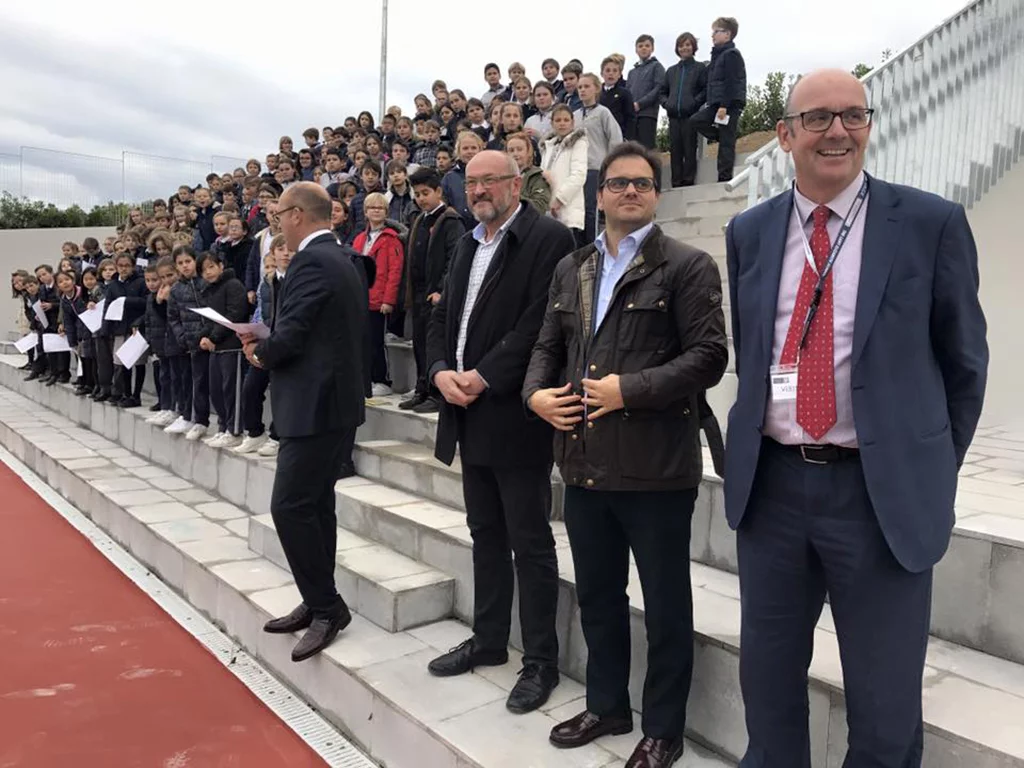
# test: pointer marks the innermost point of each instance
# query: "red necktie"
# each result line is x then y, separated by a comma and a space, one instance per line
816, 384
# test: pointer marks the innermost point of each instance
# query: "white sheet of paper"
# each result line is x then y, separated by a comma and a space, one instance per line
25, 343
132, 349
259, 330
93, 318
54, 342
141, 263
723, 121
115, 310
40, 314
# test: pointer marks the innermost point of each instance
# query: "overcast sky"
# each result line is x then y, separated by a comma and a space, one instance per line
229, 79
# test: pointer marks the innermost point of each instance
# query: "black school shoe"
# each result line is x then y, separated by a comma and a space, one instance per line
51, 380
130, 402
465, 657
155, 407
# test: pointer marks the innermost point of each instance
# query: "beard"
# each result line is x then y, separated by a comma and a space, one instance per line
487, 209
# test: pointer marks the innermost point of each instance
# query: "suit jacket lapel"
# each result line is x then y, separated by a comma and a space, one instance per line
881, 239
769, 257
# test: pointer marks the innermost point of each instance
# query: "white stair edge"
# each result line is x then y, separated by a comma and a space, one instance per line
396, 593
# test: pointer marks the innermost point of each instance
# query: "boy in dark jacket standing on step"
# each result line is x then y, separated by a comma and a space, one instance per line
616, 96
226, 294
187, 293
434, 236
682, 94
726, 95
645, 82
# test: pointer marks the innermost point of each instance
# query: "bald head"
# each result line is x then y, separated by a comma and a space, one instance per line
311, 198
491, 162
822, 86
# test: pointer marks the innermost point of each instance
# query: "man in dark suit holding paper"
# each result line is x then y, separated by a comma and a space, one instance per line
315, 358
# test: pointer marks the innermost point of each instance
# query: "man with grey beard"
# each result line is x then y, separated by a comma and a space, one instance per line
478, 346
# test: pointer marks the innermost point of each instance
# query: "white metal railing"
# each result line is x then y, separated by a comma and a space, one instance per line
949, 110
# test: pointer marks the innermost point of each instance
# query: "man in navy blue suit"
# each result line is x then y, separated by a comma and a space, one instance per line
861, 358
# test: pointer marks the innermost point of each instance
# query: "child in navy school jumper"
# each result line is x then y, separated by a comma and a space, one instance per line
202, 220
72, 304
102, 338
59, 363
226, 294
130, 286
153, 327
187, 293
175, 371
91, 293
38, 367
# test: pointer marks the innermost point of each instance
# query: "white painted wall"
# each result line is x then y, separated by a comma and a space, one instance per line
27, 249
996, 222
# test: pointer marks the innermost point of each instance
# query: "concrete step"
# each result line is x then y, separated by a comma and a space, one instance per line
685, 227
973, 702
393, 591
411, 467
673, 198
370, 683
976, 597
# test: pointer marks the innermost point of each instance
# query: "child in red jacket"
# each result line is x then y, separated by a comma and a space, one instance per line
383, 245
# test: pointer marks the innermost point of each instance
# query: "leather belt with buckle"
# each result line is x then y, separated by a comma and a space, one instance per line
826, 454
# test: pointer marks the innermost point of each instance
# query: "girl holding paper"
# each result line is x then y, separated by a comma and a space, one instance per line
72, 304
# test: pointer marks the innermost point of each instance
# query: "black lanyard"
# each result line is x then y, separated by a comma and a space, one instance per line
837, 246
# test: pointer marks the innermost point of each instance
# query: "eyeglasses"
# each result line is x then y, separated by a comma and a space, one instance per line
283, 211
375, 208
487, 182
820, 120
618, 184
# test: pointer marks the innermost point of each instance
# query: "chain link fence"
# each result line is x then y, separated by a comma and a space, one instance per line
67, 178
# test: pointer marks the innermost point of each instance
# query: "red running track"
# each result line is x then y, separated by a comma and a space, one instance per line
94, 674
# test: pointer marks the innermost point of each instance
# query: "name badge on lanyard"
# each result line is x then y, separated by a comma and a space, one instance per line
784, 378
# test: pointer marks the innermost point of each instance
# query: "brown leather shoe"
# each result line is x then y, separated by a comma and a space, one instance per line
586, 727
298, 619
655, 753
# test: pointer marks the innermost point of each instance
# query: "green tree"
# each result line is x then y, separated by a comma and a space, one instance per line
860, 70
22, 213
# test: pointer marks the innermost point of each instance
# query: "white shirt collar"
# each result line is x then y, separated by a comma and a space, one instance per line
440, 207
839, 205
634, 239
480, 232
312, 236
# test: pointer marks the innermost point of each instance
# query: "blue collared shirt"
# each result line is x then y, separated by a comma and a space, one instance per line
613, 268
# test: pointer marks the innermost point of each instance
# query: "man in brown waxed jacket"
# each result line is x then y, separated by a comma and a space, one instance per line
633, 336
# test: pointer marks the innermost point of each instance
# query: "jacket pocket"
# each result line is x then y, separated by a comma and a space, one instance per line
657, 445
645, 320
564, 308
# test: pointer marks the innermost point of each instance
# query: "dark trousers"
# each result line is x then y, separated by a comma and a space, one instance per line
158, 383
254, 392
172, 379
590, 201
704, 123
302, 505
223, 384
647, 131
603, 527
200, 364
104, 361
40, 361
140, 379
180, 369
811, 529
682, 137
379, 373
507, 511
88, 372
59, 364
420, 322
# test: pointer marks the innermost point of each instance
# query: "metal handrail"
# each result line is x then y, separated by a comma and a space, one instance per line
949, 109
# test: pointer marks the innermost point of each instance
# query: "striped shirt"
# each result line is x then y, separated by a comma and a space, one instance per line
485, 251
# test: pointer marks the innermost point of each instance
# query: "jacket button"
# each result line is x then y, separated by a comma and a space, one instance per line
630, 305
558, 304
641, 270
686, 411
590, 483
593, 367
661, 304
590, 425
575, 436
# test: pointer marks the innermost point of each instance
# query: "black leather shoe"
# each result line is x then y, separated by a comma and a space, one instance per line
655, 753
429, 405
533, 688
298, 619
102, 396
464, 658
50, 381
131, 402
34, 375
64, 378
348, 469
586, 727
411, 402
155, 408
321, 633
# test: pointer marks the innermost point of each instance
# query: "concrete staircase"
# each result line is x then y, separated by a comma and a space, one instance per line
198, 517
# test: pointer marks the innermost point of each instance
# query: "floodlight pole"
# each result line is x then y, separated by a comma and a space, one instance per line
383, 59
